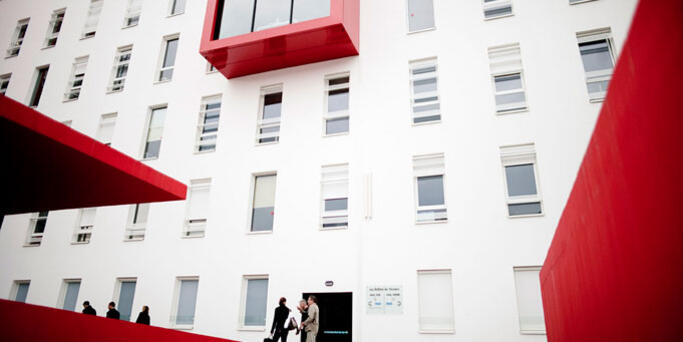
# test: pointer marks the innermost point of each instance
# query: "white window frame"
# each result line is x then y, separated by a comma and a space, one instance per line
272, 122
94, 11
51, 36
407, 11
83, 234
175, 306
148, 125
510, 108
120, 52
338, 114
597, 75
107, 120
63, 290
436, 168
506, 60
195, 227
513, 155
73, 91
116, 298
252, 195
172, 5
496, 4
448, 272
337, 174
206, 100
525, 269
162, 57
16, 42
136, 231
133, 13
15, 289
34, 239
419, 64
5, 79
243, 302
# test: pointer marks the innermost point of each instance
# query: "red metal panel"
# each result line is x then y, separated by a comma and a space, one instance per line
26, 322
613, 272
48, 166
301, 43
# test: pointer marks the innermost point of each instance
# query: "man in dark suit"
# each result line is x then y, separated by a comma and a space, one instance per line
113, 313
88, 310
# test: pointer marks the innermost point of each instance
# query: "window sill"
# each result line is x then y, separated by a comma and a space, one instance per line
174, 15
69, 100
597, 100
451, 331
426, 123
133, 240
204, 152
268, 143
525, 216
162, 82
251, 329
88, 37
191, 237
129, 26
80, 243
212, 72
579, 2
420, 223
423, 30
27, 245
533, 332
48, 47
334, 228
263, 232
499, 17
182, 327
149, 159
12, 56
113, 91
516, 111
336, 135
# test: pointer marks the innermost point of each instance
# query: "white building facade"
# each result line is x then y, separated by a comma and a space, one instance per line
415, 188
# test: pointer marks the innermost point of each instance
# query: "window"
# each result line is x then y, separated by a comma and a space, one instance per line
41, 75
207, 129
168, 61
124, 297
236, 17
425, 101
20, 291
132, 16
435, 301
210, 68
254, 301
186, 295
597, 54
54, 27
105, 131
92, 19
497, 8
506, 70
263, 204
177, 7
529, 302
17, 38
137, 222
155, 130
86, 222
120, 70
269, 116
420, 15
197, 208
4, 83
36, 228
429, 172
335, 196
337, 105
73, 88
519, 165
69, 296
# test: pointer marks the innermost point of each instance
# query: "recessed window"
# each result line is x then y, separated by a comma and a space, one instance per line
337, 105
20, 290
207, 128
105, 131
506, 70
529, 301
177, 7
84, 228
92, 18
54, 27
69, 297
268, 130
73, 88
420, 15
168, 60
335, 196
17, 38
4, 83
137, 222
133, 11
435, 301
597, 55
155, 130
254, 301
197, 208
41, 76
425, 104
124, 297
497, 8
519, 165
263, 204
36, 229
429, 188
186, 302
120, 69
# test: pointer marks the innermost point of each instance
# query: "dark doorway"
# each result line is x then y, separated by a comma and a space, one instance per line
336, 316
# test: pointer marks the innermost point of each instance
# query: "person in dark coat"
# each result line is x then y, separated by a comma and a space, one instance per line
143, 317
303, 309
88, 310
113, 313
280, 321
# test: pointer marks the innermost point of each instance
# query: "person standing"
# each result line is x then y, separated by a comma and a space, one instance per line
143, 316
88, 310
311, 324
113, 313
279, 321
303, 309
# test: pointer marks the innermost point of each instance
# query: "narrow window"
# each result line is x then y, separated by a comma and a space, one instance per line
254, 300
54, 27
420, 15
435, 301
210, 68
429, 173
92, 19
120, 70
20, 290
17, 38
529, 301
41, 75
519, 165
73, 88
207, 128
4, 83
423, 83
337, 109
105, 132
86, 223
133, 11
335, 198
155, 130
69, 296
269, 116
125, 296
197, 208
186, 301
506, 71
168, 60
177, 7
497, 8
137, 222
263, 204
597, 54
36, 228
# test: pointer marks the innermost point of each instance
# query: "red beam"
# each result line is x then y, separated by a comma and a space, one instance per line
613, 271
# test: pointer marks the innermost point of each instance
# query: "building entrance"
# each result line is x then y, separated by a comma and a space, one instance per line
336, 316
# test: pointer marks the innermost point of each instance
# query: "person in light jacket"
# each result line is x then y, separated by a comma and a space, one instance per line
143, 316
280, 321
310, 325
303, 309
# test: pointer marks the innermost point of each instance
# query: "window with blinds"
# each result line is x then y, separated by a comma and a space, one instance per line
254, 299
54, 27
207, 128
120, 69
270, 113
425, 105
92, 19
137, 222
105, 131
337, 104
126, 294
508, 82
84, 228
598, 57
186, 301
197, 208
155, 130
73, 88
263, 204
132, 16
521, 180
17, 38
335, 196
529, 301
70, 289
497, 9
429, 188
435, 301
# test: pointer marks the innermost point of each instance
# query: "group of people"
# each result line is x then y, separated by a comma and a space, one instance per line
284, 320
143, 316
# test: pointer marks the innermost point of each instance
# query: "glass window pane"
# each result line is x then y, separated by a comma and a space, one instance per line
521, 180
271, 13
430, 190
508, 82
171, 49
71, 295
22, 292
338, 100
529, 301
264, 203
187, 301
178, 7
272, 105
336, 204
511, 98
126, 295
596, 55
255, 306
310, 9
420, 15
524, 208
235, 18
422, 86
40, 225
427, 119
335, 126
